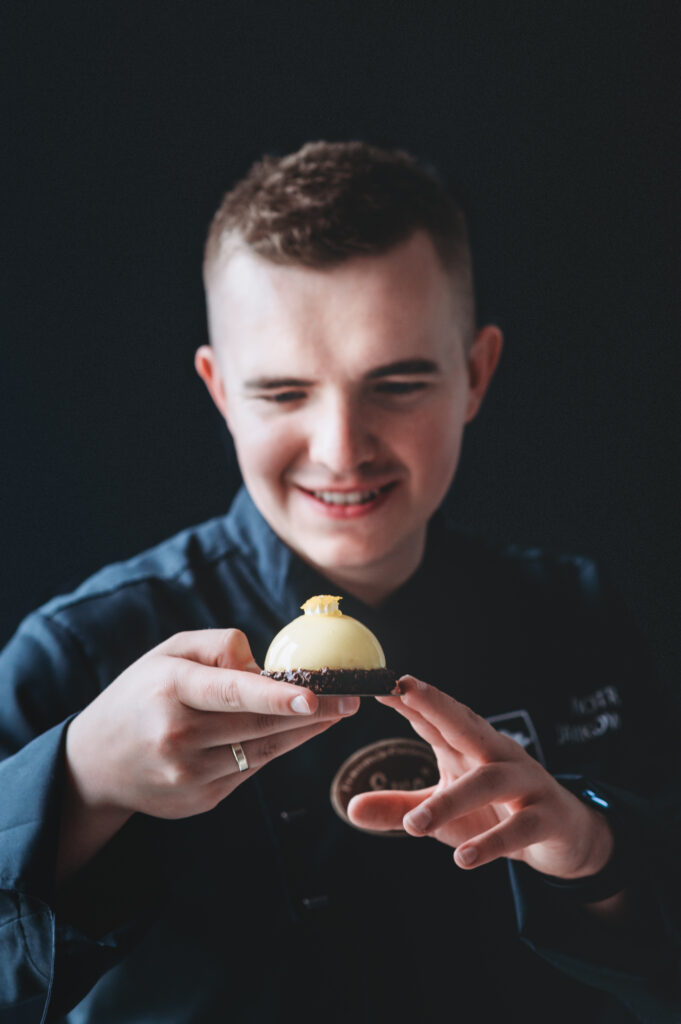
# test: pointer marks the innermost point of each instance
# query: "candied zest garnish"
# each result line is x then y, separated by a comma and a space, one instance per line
322, 604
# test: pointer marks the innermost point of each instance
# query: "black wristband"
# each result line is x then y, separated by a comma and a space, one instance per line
612, 878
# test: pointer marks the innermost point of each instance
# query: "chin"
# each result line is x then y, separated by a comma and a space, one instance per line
339, 555
348, 546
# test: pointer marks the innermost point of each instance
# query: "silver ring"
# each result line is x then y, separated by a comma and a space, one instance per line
239, 756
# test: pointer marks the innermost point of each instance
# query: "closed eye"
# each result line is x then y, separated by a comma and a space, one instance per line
400, 387
282, 397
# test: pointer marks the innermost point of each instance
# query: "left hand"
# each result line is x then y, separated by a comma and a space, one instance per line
492, 800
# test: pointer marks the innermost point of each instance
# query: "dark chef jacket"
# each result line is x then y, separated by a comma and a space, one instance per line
270, 907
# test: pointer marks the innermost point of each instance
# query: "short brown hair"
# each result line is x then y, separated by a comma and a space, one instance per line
331, 201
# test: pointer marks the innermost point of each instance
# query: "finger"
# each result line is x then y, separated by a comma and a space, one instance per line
220, 762
384, 810
215, 689
218, 648
481, 786
391, 702
425, 729
459, 725
206, 729
503, 840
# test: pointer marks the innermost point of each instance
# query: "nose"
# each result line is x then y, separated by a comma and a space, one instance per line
341, 438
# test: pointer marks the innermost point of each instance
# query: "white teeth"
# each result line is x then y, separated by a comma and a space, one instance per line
349, 498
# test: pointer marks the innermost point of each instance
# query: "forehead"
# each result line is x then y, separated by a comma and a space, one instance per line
378, 308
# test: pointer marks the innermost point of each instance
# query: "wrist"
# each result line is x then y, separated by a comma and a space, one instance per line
88, 777
88, 820
599, 845
605, 871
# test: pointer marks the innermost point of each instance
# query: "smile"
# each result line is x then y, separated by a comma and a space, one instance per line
348, 503
345, 498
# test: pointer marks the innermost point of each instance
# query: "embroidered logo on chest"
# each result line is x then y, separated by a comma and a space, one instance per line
593, 715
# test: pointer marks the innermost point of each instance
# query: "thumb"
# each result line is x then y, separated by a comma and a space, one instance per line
235, 652
218, 648
383, 810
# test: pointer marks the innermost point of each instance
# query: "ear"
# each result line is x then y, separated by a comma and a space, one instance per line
482, 362
206, 366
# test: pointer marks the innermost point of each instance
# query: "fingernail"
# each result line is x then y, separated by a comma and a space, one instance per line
467, 856
346, 705
300, 705
412, 683
419, 819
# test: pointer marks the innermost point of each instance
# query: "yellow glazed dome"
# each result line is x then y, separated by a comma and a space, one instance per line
324, 638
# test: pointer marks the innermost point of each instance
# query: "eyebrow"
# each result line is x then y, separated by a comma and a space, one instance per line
271, 383
403, 367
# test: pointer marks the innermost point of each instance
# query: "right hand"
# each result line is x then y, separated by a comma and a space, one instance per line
157, 739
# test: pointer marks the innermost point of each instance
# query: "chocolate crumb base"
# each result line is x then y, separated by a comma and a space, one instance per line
360, 682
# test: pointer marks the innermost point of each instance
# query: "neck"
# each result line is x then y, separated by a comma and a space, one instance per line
375, 582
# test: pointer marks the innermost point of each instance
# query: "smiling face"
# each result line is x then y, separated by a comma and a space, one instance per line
346, 391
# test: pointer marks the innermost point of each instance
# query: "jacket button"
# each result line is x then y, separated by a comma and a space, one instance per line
289, 817
315, 902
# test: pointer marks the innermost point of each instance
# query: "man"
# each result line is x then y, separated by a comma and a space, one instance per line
169, 849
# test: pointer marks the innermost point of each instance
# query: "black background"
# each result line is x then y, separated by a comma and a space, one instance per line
126, 123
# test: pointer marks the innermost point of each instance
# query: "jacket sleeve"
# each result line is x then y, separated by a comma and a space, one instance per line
638, 961
51, 957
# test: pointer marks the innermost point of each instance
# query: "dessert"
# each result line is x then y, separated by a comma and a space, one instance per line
329, 652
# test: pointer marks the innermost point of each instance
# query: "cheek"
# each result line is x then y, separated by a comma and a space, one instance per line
432, 443
264, 448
